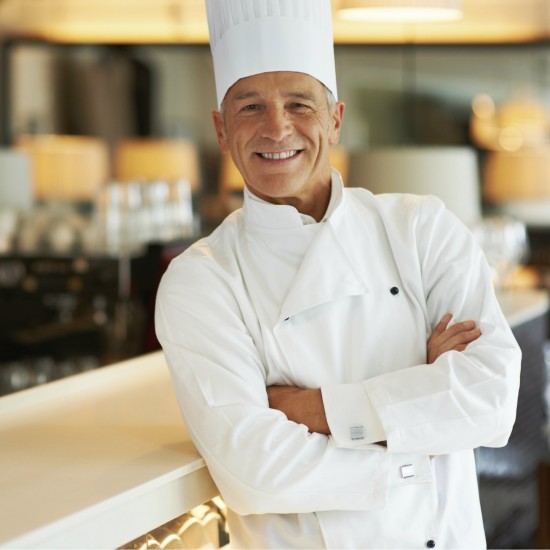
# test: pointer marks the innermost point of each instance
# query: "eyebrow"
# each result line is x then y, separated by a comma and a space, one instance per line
246, 95
300, 95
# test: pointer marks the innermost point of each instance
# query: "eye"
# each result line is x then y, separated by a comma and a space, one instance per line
296, 105
250, 108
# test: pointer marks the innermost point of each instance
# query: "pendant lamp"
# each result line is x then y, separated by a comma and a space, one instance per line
413, 11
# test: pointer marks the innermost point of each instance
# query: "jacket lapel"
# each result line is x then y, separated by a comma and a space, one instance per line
326, 274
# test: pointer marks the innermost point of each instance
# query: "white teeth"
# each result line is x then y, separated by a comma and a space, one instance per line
279, 156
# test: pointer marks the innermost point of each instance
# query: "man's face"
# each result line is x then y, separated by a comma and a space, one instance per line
278, 127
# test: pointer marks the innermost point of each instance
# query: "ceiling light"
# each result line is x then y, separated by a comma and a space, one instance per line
415, 11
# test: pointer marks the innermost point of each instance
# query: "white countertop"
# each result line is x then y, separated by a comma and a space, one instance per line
98, 459
520, 306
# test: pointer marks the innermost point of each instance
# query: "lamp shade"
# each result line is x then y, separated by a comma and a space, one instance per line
517, 176
71, 168
157, 159
518, 184
450, 173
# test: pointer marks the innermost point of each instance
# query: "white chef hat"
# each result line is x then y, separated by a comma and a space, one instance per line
249, 37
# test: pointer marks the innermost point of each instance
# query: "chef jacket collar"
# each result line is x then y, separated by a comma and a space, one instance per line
259, 212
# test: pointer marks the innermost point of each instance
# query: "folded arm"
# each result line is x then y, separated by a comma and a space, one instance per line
465, 394
305, 405
468, 397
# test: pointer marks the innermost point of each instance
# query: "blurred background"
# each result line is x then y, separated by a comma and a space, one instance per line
109, 167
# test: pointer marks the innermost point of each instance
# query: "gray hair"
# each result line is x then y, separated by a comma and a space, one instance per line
331, 100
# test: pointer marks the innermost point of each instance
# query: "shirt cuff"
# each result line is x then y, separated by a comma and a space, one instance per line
352, 419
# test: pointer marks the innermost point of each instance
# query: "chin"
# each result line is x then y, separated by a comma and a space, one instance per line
276, 187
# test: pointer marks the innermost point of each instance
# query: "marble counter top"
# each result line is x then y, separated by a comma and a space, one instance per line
98, 459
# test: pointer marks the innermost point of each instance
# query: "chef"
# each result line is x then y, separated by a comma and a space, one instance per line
336, 355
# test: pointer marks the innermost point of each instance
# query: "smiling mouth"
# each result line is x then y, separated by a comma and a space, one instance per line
283, 155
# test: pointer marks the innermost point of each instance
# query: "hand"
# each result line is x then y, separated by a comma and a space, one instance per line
304, 406
455, 338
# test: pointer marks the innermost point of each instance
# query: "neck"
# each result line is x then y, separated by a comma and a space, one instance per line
314, 205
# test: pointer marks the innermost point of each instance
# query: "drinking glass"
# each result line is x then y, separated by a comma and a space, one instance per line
505, 244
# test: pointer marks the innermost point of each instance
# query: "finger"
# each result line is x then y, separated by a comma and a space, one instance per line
453, 331
439, 330
462, 338
442, 325
452, 339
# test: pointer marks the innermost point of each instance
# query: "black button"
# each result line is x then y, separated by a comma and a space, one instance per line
394, 290
430, 543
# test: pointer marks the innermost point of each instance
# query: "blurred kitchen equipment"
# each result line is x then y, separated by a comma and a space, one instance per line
162, 178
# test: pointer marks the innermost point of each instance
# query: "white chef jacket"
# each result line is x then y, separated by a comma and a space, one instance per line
346, 305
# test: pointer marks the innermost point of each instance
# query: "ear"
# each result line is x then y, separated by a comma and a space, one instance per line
337, 119
220, 131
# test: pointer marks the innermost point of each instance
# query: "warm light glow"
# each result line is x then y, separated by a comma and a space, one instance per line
184, 22
122, 33
414, 11
510, 139
511, 126
483, 106
115, 21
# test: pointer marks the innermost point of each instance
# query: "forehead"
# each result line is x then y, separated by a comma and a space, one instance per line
278, 83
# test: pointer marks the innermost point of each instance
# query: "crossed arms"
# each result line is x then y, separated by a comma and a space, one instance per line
305, 406
208, 326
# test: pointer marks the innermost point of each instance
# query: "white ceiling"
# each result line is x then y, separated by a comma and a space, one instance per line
183, 21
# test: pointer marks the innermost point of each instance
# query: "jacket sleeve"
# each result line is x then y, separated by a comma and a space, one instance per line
261, 462
465, 399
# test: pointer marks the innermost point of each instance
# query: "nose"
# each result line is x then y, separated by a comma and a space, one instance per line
276, 124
